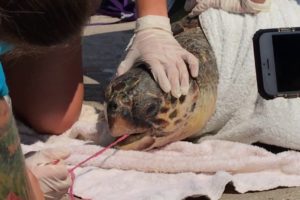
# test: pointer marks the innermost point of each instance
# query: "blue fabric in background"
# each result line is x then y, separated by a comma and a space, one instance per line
170, 4
4, 48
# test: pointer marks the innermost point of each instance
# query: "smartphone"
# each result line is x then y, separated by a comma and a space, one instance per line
277, 62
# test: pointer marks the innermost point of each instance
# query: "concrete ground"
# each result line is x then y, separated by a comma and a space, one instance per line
102, 51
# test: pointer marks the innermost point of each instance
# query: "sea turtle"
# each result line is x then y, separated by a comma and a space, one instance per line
137, 106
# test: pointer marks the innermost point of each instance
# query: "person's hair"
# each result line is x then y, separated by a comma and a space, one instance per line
42, 22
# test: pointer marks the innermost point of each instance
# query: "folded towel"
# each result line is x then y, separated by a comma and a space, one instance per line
209, 157
182, 169
166, 173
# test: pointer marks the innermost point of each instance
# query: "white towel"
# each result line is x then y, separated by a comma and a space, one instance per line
173, 172
241, 114
182, 169
249, 168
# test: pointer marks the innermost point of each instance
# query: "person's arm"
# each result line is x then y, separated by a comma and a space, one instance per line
38, 178
15, 181
153, 7
48, 167
154, 44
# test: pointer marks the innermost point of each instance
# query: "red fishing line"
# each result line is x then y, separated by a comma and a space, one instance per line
71, 171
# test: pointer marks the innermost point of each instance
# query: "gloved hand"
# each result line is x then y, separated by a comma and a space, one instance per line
47, 165
154, 44
236, 6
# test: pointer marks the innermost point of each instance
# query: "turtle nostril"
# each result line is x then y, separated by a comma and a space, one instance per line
112, 106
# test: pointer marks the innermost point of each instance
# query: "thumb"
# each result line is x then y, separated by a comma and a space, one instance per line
54, 172
128, 62
47, 156
56, 154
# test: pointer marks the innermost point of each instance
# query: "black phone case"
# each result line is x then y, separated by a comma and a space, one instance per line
257, 58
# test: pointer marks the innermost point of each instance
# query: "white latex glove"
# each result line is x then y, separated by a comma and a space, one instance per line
236, 6
47, 165
154, 44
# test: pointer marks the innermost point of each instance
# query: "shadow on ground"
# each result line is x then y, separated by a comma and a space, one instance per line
101, 55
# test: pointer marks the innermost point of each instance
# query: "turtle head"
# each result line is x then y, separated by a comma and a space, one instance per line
137, 106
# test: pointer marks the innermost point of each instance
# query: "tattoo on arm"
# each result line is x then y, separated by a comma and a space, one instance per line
14, 184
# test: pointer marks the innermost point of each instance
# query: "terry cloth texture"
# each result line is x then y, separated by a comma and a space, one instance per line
241, 114
182, 169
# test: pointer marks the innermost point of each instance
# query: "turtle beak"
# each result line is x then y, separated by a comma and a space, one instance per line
118, 123
120, 126
143, 143
139, 139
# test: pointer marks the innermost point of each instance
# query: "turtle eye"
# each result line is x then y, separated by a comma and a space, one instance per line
151, 109
146, 108
112, 106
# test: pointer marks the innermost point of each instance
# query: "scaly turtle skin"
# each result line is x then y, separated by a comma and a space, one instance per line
137, 106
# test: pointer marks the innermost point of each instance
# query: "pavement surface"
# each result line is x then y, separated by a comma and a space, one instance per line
103, 47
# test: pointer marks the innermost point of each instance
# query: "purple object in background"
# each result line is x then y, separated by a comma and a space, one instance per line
122, 9
125, 10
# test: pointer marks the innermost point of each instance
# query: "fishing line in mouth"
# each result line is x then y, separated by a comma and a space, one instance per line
100, 152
